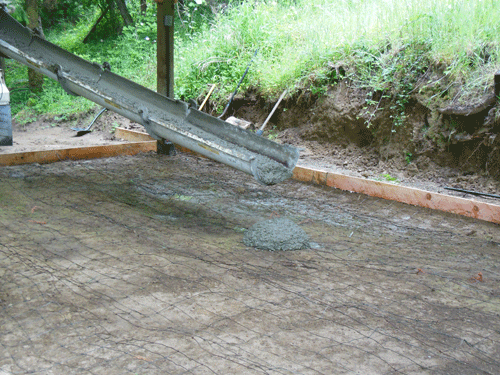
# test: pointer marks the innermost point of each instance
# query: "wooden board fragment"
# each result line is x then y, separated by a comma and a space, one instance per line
244, 124
132, 135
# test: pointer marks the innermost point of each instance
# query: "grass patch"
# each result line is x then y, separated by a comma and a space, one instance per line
388, 178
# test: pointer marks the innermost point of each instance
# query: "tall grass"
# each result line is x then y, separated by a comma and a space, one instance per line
297, 38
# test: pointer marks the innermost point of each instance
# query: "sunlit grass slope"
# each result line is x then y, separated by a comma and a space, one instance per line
378, 39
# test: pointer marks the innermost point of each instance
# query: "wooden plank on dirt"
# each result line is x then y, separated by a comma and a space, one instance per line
93, 152
436, 201
244, 124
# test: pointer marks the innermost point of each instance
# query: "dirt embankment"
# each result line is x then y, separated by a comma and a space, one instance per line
424, 140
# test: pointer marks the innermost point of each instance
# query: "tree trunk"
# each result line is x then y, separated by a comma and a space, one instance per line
35, 79
127, 18
144, 6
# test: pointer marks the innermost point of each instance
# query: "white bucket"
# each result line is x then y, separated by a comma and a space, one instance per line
5, 114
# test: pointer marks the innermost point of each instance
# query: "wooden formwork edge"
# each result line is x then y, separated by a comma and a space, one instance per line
436, 201
92, 152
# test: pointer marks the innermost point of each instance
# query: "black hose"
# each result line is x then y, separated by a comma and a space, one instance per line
472, 192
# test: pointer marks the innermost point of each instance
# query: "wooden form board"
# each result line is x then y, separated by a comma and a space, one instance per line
93, 152
466, 207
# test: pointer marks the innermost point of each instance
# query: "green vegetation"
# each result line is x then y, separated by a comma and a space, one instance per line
408, 157
389, 178
272, 133
384, 47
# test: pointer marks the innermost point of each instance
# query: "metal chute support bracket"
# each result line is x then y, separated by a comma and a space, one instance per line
58, 70
162, 117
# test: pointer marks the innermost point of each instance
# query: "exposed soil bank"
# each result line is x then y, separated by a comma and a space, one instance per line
447, 144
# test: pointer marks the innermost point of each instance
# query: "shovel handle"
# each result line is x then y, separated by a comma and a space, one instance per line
261, 130
208, 96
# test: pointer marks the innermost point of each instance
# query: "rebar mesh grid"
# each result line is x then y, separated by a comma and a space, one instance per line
135, 265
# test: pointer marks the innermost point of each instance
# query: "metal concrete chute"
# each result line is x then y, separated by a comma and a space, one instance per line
163, 118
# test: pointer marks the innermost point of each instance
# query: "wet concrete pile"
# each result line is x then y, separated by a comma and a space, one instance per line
276, 234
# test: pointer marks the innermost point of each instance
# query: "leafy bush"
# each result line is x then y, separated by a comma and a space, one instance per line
53, 12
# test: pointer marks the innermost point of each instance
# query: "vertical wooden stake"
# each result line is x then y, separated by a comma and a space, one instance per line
165, 48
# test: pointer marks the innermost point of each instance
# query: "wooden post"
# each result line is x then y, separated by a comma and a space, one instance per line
165, 47
165, 61
35, 79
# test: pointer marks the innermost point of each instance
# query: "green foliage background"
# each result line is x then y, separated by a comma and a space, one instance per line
382, 46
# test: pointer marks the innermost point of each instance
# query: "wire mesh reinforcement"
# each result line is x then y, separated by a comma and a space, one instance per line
135, 265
